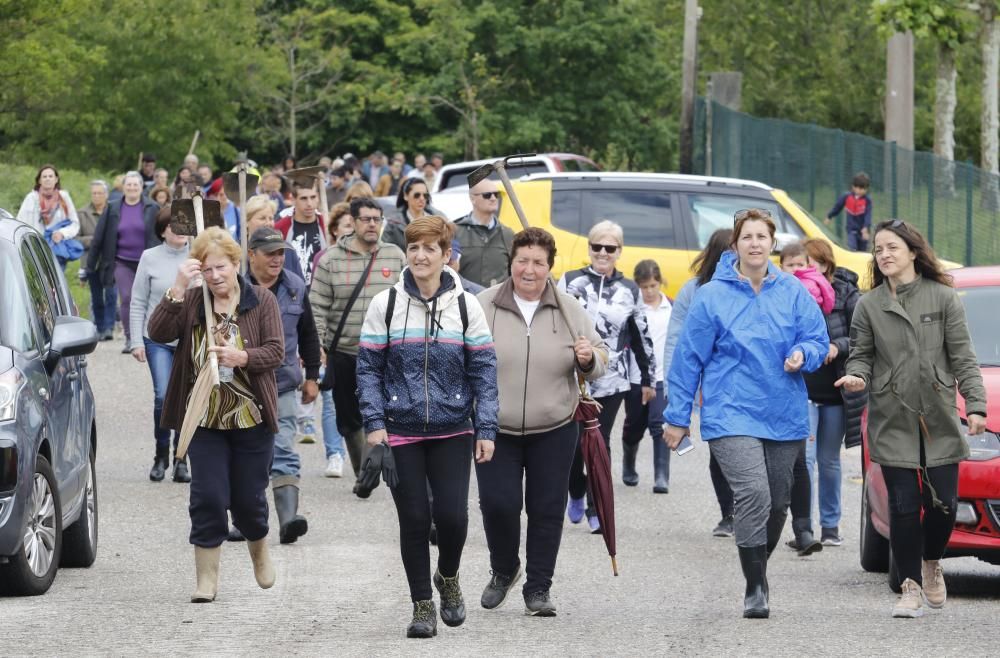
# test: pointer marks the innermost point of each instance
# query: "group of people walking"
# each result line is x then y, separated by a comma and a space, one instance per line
377, 320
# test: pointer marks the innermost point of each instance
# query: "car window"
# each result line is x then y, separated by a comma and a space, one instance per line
53, 281
566, 210
710, 212
645, 216
569, 164
980, 309
39, 298
16, 331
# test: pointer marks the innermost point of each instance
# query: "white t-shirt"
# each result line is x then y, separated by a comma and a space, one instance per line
657, 320
527, 308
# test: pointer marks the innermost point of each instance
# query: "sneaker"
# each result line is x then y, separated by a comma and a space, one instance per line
595, 525
496, 591
725, 527
334, 466
538, 604
935, 592
831, 537
575, 509
452, 603
910, 604
307, 429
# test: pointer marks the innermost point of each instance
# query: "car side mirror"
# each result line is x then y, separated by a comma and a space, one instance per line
782, 240
71, 336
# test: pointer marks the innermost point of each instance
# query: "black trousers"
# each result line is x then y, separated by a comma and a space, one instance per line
230, 470
911, 538
445, 464
577, 478
542, 463
801, 503
723, 492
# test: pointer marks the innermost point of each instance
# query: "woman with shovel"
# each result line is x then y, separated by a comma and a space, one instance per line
232, 447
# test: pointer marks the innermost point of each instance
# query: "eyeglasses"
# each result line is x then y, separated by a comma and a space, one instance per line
421, 195
369, 220
608, 248
758, 213
488, 195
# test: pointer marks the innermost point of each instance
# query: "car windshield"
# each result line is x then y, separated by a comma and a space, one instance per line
980, 309
15, 324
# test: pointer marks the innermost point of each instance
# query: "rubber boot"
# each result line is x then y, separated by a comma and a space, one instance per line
755, 600
356, 441
806, 543
206, 564
291, 525
263, 570
629, 475
661, 467
775, 524
160, 462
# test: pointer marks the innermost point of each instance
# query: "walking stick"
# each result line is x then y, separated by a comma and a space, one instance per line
213, 358
236, 185
194, 142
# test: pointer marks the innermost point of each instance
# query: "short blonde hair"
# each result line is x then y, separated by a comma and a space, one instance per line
258, 204
215, 241
607, 227
359, 190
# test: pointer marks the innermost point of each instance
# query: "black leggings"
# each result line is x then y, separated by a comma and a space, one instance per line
445, 464
577, 478
910, 538
801, 490
723, 492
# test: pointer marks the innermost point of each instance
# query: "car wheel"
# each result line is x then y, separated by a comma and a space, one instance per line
894, 582
874, 547
32, 569
80, 539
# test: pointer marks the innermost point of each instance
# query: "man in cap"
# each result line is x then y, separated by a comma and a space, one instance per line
266, 256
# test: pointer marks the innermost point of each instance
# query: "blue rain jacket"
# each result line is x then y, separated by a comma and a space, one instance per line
734, 344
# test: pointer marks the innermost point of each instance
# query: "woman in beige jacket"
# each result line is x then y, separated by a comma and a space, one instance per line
538, 357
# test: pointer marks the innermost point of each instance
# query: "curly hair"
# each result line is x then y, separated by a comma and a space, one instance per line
533, 237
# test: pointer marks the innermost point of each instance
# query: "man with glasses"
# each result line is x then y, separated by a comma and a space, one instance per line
485, 242
346, 278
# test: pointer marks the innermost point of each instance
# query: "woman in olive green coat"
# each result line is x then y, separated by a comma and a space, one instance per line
909, 346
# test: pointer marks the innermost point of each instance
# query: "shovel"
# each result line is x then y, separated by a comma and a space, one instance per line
203, 213
500, 167
235, 184
305, 175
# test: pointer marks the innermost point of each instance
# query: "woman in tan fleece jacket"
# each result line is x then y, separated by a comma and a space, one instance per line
538, 357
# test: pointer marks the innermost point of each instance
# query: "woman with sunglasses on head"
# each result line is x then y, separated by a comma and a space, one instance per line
412, 202
615, 305
910, 344
748, 335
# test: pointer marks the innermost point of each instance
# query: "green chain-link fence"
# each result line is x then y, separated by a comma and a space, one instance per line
955, 204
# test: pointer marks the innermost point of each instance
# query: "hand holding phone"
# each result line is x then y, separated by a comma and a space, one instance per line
685, 446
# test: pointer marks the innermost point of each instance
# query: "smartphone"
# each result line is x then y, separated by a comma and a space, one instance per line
684, 447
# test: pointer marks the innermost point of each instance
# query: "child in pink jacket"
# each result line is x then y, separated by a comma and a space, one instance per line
794, 261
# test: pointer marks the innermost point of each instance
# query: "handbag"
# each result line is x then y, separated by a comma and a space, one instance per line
328, 376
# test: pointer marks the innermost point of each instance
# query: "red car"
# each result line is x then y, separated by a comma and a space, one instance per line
977, 526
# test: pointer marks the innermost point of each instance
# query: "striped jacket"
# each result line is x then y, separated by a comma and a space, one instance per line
428, 373
334, 278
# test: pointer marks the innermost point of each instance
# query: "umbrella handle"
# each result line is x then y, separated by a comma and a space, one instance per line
614, 565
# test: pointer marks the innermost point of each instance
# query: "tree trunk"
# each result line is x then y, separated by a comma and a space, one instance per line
944, 121
990, 140
293, 105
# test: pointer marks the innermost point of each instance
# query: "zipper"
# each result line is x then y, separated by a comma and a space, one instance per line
527, 361
427, 392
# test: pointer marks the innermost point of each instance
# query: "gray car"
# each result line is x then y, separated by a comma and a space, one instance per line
48, 429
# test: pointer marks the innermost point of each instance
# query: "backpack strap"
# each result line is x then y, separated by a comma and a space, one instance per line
389, 308
464, 312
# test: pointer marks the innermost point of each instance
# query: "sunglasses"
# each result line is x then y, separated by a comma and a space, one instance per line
608, 248
421, 195
369, 220
759, 213
488, 195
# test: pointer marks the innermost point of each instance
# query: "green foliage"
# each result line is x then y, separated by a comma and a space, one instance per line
945, 22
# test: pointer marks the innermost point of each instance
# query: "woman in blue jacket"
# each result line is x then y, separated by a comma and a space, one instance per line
750, 332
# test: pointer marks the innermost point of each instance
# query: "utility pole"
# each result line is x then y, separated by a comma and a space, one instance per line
688, 85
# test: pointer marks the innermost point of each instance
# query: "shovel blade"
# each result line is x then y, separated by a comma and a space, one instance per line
231, 184
305, 175
182, 220
481, 174
212, 212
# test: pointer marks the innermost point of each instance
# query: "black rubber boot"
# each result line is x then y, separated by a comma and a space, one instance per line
775, 524
629, 475
291, 525
160, 463
424, 622
181, 472
754, 563
805, 542
661, 467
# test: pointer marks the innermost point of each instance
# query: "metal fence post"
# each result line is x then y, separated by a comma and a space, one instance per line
930, 206
838, 175
968, 212
812, 173
893, 183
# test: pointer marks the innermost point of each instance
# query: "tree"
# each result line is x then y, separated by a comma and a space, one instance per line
990, 148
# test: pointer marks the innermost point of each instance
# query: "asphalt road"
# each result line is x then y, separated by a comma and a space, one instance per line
341, 589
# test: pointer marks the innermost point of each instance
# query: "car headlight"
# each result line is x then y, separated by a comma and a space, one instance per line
10, 382
966, 513
982, 447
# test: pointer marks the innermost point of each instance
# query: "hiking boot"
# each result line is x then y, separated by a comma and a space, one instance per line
724, 528
181, 472
334, 466
595, 524
496, 591
452, 603
629, 475
831, 537
935, 592
910, 604
575, 509
753, 559
160, 463
424, 623
307, 430
538, 604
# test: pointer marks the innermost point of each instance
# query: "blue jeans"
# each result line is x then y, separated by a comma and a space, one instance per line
103, 302
160, 359
828, 424
332, 439
286, 462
